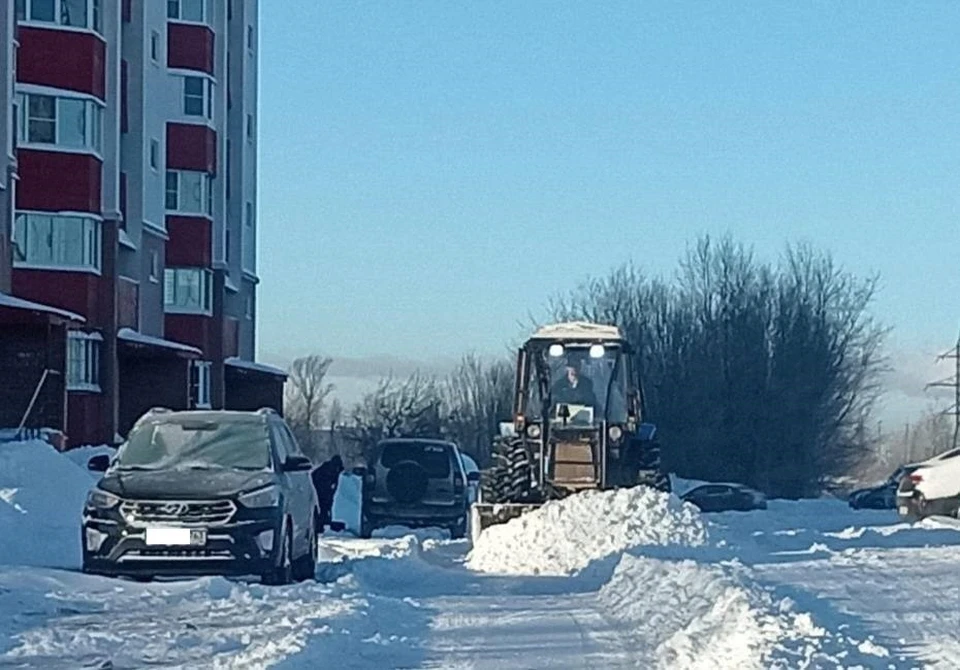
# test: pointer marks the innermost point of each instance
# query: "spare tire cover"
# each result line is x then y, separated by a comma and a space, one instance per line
407, 482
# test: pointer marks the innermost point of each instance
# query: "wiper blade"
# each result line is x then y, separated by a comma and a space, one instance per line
137, 467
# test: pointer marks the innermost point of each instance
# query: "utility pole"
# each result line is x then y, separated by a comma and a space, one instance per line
954, 383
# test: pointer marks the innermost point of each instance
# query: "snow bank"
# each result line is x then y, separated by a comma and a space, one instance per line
564, 536
690, 615
41, 499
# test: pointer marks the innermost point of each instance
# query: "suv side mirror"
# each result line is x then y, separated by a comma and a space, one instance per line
98, 463
473, 476
298, 464
360, 471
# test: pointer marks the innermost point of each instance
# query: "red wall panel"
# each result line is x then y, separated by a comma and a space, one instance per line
190, 47
128, 304
124, 106
76, 292
231, 337
62, 59
53, 181
190, 241
190, 329
191, 147
85, 414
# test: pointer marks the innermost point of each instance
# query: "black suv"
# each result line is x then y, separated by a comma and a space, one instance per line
203, 493
416, 483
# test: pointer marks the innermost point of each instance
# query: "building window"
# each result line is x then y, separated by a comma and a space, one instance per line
226, 245
186, 10
249, 126
154, 267
189, 192
155, 154
249, 308
71, 123
155, 46
248, 215
58, 242
250, 37
72, 13
188, 290
83, 361
200, 384
198, 97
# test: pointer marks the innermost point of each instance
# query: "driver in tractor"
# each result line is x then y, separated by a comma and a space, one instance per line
574, 388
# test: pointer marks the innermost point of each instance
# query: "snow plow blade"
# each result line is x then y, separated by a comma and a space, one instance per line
484, 515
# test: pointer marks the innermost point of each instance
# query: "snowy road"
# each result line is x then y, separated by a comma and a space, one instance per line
809, 584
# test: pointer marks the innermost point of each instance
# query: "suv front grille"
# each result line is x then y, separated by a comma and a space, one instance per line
180, 513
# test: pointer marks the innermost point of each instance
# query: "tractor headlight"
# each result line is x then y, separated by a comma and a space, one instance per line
533, 431
615, 433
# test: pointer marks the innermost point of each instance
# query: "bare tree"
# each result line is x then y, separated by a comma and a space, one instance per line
476, 397
755, 373
405, 408
306, 394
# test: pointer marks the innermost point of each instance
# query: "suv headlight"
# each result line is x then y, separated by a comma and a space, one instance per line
267, 497
100, 499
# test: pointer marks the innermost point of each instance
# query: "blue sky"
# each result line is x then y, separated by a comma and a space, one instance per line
431, 172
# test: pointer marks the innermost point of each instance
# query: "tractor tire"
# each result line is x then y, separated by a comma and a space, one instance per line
650, 472
510, 477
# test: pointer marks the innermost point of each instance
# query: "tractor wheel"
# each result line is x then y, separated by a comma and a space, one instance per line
650, 471
508, 480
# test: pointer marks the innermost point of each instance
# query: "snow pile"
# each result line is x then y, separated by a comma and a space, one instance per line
686, 614
564, 536
41, 500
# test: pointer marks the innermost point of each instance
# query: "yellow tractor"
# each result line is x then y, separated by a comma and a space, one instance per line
578, 423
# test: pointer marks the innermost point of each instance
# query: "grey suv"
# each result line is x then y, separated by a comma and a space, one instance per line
203, 493
417, 483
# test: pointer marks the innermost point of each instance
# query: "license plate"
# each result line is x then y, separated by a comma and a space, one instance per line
176, 537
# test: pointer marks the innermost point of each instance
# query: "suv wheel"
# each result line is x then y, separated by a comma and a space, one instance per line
282, 573
305, 567
458, 530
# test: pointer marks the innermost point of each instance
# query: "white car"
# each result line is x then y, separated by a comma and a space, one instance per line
932, 489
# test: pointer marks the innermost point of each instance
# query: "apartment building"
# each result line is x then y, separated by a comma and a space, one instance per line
133, 220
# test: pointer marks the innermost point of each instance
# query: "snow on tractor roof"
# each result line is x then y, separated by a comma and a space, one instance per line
578, 330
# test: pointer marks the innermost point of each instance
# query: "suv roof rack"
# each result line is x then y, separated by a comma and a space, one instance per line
268, 411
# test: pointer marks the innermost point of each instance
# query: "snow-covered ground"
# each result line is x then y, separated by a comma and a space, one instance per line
623, 579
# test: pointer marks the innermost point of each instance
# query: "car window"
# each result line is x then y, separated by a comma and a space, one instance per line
293, 447
279, 443
196, 444
433, 458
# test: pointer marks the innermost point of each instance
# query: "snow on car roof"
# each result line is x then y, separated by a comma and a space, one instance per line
578, 330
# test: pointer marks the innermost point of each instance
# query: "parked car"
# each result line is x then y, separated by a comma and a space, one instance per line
932, 489
881, 496
203, 493
725, 497
416, 483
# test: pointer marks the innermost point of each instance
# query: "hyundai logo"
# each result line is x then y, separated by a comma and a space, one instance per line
173, 509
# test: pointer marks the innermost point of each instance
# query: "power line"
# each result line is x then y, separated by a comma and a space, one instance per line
954, 383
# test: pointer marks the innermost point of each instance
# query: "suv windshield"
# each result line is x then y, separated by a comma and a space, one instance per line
583, 384
433, 458
240, 445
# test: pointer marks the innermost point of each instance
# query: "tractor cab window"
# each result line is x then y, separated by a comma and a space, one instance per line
591, 388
